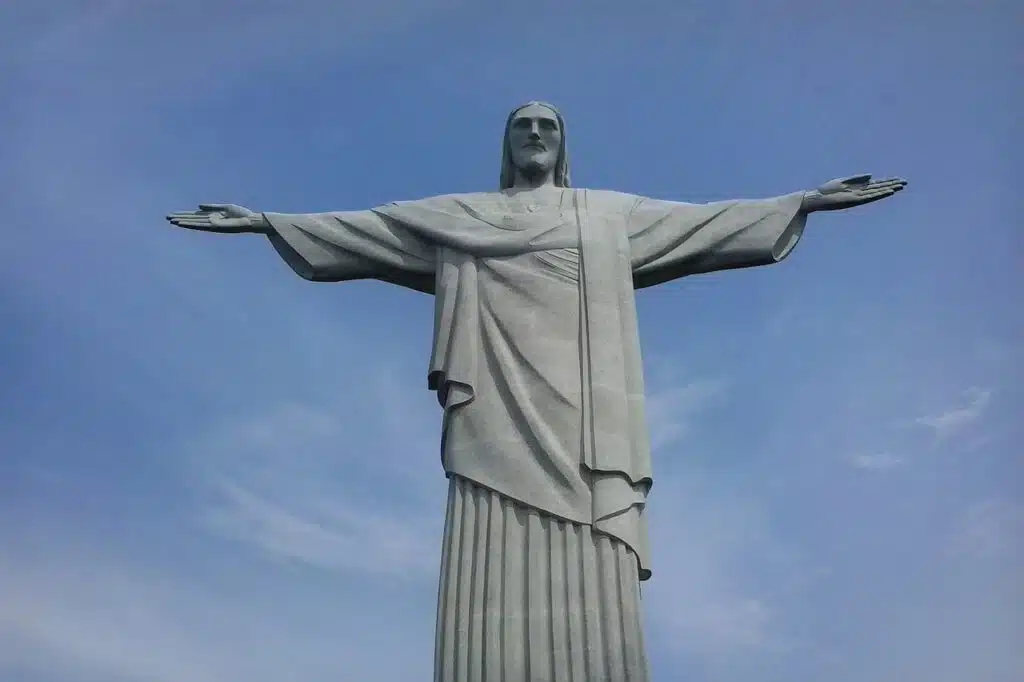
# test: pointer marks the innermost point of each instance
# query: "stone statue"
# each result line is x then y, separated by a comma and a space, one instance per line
536, 364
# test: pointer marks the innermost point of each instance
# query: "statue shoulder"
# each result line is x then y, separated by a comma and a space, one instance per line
610, 201
447, 202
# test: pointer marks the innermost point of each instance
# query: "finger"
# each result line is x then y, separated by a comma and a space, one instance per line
858, 179
190, 222
232, 224
214, 207
207, 227
875, 196
192, 225
889, 182
876, 190
863, 195
187, 215
881, 185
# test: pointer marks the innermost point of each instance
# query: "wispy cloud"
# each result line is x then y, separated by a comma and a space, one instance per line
988, 529
718, 564
303, 484
82, 613
878, 461
723, 569
671, 410
330, 535
956, 420
94, 621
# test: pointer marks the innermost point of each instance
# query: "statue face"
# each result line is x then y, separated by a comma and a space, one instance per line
534, 140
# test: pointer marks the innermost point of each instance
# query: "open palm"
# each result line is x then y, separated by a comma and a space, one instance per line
853, 191
223, 218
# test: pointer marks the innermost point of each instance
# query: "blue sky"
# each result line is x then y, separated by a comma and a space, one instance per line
212, 470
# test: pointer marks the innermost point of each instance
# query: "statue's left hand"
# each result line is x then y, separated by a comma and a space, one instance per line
843, 193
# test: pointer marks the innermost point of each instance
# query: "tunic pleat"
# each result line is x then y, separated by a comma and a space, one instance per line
527, 597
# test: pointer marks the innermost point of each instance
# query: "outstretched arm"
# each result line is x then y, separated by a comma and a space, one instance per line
330, 247
669, 240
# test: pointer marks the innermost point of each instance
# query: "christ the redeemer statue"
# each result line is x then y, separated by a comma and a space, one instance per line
536, 364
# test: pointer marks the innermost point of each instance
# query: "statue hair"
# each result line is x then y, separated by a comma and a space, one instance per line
508, 170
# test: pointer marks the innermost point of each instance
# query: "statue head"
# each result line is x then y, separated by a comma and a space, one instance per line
534, 146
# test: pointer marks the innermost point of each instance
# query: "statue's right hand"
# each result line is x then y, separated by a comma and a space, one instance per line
223, 218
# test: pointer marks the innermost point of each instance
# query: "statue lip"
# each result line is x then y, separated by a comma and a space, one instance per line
535, 145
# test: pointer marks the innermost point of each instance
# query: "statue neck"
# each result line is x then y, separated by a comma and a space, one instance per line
528, 180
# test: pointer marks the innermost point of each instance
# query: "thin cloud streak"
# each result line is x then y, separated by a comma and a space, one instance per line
717, 598
989, 529
92, 619
955, 421
671, 410
84, 614
348, 537
304, 484
880, 461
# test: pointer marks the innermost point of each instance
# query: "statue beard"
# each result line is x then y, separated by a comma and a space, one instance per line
534, 170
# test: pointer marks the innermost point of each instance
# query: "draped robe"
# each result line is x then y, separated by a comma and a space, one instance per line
536, 358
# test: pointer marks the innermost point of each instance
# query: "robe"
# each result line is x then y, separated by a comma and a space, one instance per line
536, 364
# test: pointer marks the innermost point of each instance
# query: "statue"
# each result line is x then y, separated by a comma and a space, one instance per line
536, 365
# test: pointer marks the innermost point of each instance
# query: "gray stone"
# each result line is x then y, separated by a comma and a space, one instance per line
544, 440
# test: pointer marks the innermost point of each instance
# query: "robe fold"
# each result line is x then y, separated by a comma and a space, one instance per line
536, 364
528, 597
536, 357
